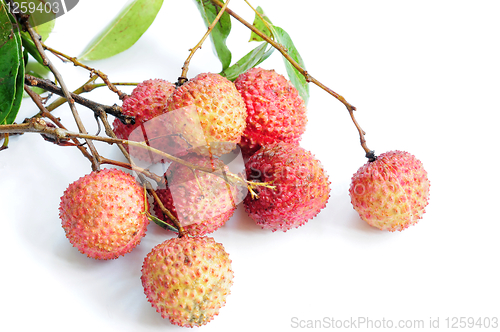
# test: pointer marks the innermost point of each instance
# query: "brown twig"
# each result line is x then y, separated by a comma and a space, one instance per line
92, 71
44, 113
183, 78
81, 127
131, 167
167, 213
61, 100
87, 87
369, 153
114, 110
33, 126
285, 54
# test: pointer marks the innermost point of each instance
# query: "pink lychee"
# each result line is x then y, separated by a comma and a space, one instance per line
391, 193
210, 114
146, 102
202, 202
103, 215
301, 185
187, 280
276, 112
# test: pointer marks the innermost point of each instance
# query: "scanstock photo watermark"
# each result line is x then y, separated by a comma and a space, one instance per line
41, 11
363, 322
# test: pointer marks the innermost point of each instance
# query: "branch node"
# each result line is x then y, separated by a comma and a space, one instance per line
371, 156
180, 81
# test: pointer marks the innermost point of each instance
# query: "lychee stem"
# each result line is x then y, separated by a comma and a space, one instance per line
253, 185
285, 54
156, 220
114, 110
5, 144
81, 127
87, 87
75, 61
38, 126
167, 213
61, 100
183, 78
146, 172
369, 153
198, 182
44, 113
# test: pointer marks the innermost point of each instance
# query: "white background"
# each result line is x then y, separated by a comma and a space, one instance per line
424, 77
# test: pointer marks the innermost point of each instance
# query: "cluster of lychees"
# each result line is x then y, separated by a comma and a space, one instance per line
188, 278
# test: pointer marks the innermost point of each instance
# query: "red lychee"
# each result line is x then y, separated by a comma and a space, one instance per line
103, 215
187, 279
276, 112
146, 102
202, 202
302, 186
211, 114
390, 193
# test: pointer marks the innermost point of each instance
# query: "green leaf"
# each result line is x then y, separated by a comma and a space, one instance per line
220, 31
10, 61
18, 96
124, 31
282, 37
45, 29
252, 59
259, 24
41, 18
297, 79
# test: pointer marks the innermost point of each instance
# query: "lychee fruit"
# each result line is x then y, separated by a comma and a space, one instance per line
187, 279
211, 103
301, 185
201, 201
390, 193
103, 215
146, 102
276, 112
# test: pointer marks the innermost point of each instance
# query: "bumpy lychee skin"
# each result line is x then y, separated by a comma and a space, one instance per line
202, 203
391, 193
187, 279
102, 214
146, 102
276, 112
302, 186
220, 109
